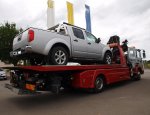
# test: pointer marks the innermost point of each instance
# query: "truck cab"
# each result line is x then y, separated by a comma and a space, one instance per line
134, 57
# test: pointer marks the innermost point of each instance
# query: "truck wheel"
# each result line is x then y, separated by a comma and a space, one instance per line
107, 58
58, 56
137, 76
98, 85
131, 75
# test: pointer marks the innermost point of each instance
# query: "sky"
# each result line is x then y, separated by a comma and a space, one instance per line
129, 19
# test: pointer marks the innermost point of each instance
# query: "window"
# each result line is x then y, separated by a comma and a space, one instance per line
90, 37
62, 31
131, 54
78, 33
138, 54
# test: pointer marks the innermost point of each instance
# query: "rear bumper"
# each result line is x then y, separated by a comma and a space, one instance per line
20, 91
21, 51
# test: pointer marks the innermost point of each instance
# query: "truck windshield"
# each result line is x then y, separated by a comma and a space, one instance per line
131, 53
138, 53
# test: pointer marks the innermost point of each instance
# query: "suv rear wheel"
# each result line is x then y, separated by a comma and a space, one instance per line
58, 56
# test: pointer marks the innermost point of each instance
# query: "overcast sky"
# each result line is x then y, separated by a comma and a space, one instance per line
129, 19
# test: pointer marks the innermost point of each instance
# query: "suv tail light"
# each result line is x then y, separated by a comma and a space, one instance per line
30, 35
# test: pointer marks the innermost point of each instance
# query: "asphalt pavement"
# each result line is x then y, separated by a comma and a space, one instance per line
124, 98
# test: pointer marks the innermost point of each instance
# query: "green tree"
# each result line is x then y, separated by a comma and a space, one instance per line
7, 33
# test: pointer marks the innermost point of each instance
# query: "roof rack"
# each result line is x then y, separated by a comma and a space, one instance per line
73, 25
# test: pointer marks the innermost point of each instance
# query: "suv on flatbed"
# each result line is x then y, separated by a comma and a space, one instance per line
60, 44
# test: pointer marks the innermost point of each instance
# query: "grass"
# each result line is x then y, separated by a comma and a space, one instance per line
147, 65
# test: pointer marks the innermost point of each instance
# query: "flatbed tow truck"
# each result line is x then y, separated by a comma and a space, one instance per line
34, 79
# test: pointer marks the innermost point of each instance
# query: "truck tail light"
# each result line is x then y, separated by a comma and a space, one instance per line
30, 35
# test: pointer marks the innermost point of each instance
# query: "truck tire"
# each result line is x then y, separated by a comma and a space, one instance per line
137, 76
58, 56
107, 58
98, 85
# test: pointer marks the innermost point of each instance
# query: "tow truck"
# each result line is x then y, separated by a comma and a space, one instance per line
34, 79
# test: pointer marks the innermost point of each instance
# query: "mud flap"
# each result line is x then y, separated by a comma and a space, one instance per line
56, 84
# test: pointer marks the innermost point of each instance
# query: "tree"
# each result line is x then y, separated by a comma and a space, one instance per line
7, 33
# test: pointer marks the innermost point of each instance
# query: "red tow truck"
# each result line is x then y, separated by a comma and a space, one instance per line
33, 79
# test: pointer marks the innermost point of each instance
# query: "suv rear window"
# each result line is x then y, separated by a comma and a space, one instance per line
78, 33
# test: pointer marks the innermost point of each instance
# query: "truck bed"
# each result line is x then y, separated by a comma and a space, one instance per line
31, 78
58, 68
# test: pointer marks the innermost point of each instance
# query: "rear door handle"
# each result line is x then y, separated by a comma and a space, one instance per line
89, 43
75, 40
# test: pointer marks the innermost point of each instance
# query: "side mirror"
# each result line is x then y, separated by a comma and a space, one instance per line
144, 54
98, 40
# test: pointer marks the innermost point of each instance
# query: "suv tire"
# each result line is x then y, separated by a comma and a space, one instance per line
58, 56
107, 58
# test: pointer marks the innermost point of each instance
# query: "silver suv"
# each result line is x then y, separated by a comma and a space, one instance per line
60, 44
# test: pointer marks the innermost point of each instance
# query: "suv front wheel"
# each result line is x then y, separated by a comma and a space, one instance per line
107, 58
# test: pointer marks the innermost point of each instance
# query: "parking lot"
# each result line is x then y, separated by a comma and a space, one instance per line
126, 98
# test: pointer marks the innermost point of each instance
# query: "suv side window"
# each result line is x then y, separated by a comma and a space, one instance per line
90, 37
78, 33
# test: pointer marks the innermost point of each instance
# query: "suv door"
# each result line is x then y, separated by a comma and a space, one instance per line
79, 44
94, 49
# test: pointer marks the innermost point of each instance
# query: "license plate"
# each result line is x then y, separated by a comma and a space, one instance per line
15, 53
30, 87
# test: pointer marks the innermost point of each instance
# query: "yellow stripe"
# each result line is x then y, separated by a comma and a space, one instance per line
70, 13
50, 3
